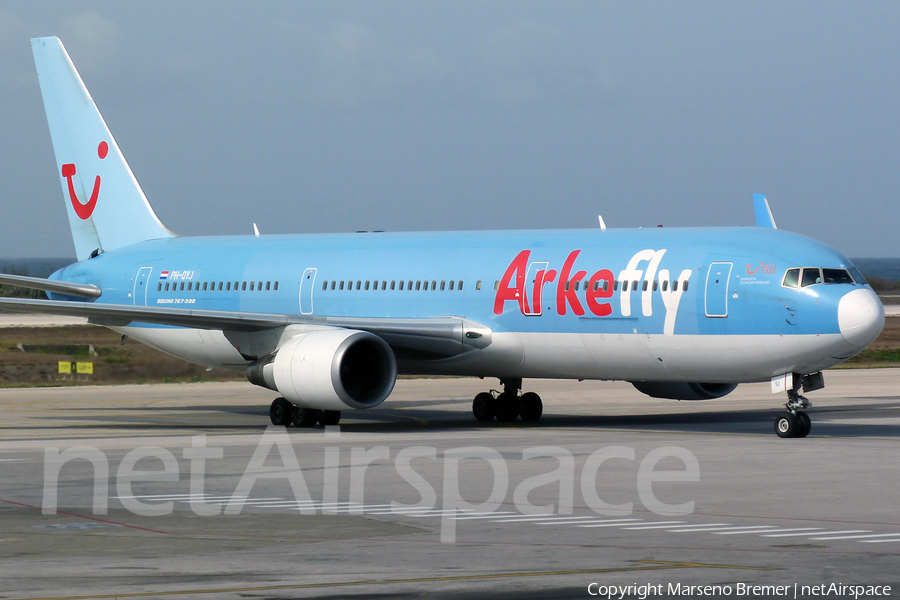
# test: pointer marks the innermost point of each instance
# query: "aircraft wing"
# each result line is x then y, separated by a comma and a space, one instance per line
441, 336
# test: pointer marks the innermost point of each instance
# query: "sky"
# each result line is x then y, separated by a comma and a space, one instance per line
307, 117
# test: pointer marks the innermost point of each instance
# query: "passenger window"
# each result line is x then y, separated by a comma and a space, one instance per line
393, 284
836, 276
615, 285
342, 285
244, 286
276, 286
259, 287
220, 286
402, 283
685, 286
478, 286
167, 286
434, 286
268, 285
655, 285
159, 286
332, 285
811, 276
644, 285
324, 286
418, 285
791, 278
451, 285
497, 285
182, 286
665, 285
367, 285
624, 286
675, 286
190, 285
443, 285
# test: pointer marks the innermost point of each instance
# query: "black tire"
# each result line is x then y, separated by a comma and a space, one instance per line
281, 412
305, 417
786, 425
530, 407
330, 418
483, 407
804, 425
507, 408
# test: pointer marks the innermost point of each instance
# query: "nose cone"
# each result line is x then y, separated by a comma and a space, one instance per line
860, 317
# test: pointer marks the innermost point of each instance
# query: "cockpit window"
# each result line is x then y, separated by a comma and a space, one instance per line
811, 276
791, 278
836, 276
857, 276
807, 276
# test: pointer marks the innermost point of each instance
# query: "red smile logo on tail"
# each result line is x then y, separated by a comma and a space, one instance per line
84, 211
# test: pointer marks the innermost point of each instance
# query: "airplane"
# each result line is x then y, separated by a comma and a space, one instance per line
328, 321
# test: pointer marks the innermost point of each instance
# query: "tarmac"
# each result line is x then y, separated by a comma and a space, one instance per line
178, 490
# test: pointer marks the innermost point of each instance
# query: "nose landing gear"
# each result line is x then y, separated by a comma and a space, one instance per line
794, 422
508, 405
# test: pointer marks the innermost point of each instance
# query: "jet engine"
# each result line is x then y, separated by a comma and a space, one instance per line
331, 369
680, 390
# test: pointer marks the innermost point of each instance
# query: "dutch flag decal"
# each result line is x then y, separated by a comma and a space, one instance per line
164, 275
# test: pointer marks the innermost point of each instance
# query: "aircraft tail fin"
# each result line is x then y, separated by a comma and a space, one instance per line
764, 216
106, 206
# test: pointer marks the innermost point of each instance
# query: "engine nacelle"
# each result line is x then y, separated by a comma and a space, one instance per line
680, 390
335, 369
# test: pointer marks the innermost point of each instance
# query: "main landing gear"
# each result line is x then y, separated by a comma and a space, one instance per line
793, 422
284, 413
508, 405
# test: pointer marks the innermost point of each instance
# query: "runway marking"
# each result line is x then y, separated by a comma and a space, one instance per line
743, 530
553, 520
640, 565
814, 533
656, 525
703, 527
853, 537
465, 514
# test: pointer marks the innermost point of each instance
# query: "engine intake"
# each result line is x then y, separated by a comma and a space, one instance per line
335, 369
680, 390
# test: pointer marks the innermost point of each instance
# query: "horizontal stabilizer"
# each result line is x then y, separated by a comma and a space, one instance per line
764, 216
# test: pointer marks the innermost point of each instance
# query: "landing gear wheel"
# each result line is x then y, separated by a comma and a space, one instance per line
483, 407
280, 412
786, 425
305, 417
804, 425
530, 407
507, 408
330, 418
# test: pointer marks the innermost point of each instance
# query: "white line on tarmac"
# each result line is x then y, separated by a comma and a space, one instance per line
759, 529
854, 537
607, 524
817, 533
657, 525
550, 520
